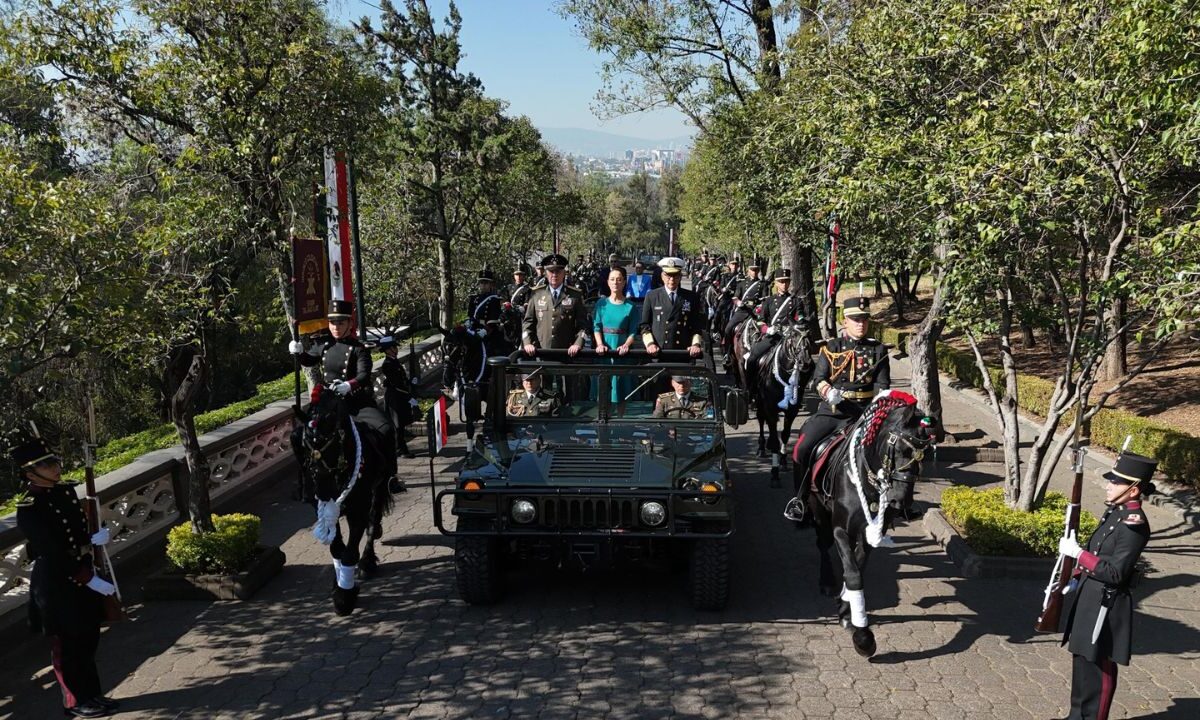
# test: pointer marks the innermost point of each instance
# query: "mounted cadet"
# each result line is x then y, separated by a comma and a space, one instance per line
747, 293
778, 310
532, 399
483, 314
1099, 620
517, 293
680, 402
556, 316
850, 370
672, 316
65, 594
346, 370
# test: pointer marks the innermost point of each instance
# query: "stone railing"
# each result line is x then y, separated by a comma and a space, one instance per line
139, 501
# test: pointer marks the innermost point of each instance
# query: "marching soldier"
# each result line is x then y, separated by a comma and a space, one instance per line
65, 593
680, 401
1099, 620
780, 309
849, 372
533, 400
556, 316
346, 370
672, 315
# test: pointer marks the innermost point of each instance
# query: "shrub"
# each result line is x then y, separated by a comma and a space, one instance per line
227, 549
992, 528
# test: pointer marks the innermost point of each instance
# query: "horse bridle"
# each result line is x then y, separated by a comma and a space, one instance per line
889, 456
317, 454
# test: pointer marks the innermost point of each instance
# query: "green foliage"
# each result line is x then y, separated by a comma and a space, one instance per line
992, 528
227, 549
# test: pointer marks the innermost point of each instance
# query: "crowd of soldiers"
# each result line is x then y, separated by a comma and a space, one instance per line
850, 369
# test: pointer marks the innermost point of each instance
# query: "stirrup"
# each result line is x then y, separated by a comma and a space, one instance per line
794, 510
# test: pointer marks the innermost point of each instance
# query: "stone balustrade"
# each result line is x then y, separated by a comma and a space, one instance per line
139, 502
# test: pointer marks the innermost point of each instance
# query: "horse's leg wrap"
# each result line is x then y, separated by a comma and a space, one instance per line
858, 606
344, 573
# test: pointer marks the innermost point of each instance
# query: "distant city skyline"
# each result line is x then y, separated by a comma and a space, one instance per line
528, 56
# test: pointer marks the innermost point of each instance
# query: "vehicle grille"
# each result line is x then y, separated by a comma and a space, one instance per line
586, 463
567, 513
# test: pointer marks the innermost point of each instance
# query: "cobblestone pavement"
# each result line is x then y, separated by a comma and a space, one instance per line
622, 645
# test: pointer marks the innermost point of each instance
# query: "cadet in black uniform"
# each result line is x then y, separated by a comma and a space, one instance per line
398, 398
672, 316
747, 293
483, 315
849, 372
517, 294
346, 369
778, 310
65, 594
1099, 617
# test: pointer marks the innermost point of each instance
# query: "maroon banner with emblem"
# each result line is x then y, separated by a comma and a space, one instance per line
310, 286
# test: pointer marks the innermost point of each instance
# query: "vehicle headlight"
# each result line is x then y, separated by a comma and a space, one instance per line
523, 511
653, 513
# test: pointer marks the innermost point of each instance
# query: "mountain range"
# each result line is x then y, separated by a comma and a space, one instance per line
593, 143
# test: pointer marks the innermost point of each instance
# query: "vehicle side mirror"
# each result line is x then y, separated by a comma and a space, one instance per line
472, 403
737, 411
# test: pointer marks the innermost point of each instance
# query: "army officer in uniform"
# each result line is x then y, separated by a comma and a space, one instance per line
533, 400
65, 594
672, 316
680, 402
1099, 624
556, 316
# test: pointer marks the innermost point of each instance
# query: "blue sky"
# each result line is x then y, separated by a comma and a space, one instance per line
527, 55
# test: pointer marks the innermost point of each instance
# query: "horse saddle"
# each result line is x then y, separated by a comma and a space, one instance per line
822, 452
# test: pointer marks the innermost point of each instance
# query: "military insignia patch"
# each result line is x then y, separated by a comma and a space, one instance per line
1135, 519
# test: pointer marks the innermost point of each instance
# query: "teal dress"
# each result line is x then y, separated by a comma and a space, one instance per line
615, 323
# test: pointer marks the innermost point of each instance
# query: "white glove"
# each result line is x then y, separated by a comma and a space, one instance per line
772, 330
342, 388
481, 333
1069, 546
833, 397
413, 402
295, 347
101, 585
101, 537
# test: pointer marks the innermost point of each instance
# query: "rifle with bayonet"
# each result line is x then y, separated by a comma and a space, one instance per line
102, 563
1060, 576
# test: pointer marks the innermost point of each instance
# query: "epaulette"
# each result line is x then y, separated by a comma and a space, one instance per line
24, 501
1135, 518
664, 396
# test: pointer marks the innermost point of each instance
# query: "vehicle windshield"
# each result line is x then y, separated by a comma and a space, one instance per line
610, 393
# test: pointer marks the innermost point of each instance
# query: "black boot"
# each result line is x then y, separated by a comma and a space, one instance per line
89, 709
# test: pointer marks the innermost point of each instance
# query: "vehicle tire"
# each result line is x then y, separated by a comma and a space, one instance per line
708, 573
478, 566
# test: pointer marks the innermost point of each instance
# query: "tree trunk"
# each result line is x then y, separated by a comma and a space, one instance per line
922, 351
188, 369
878, 282
1038, 451
798, 258
1116, 360
1008, 404
1027, 338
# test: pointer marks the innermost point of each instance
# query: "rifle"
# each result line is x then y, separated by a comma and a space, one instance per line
1060, 576
113, 611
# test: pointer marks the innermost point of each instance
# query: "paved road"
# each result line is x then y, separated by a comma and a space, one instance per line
628, 645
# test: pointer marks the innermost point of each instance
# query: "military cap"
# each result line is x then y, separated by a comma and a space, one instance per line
387, 342
487, 275
1133, 469
856, 307
554, 261
783, 274
31, 452
735, 260
671, 265
341, 309
520, 271
755, 263
681, 378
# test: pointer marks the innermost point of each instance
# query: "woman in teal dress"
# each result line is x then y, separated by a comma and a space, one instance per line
615, 326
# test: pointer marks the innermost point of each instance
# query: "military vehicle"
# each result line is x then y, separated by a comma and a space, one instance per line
575, 466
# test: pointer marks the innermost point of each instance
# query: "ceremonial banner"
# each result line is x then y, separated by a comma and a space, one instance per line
438, 422
337, 213
309, 285
835, 232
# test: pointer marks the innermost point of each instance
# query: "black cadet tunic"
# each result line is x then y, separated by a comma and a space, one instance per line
859, 368
59, 544
1105, 572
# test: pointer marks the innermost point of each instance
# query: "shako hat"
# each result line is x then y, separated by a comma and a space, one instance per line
486, 275
755, 263
782, 274
341, 309
31, 452
1133, 469
856, 307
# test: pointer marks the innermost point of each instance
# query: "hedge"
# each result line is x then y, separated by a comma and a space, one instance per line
227, 549
1178, 452
990, 527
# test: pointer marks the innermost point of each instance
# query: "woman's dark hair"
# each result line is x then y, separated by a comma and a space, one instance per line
618, 268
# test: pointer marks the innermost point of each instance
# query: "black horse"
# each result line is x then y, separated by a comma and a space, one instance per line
345, 469
779, 381
867, 472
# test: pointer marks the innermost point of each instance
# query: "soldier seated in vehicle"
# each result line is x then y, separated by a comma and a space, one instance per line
680, 402
534, 400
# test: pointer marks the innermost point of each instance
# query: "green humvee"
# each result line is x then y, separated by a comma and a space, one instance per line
588, 472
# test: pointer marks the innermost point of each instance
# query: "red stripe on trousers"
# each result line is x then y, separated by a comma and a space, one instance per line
1108, 687
69, 699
